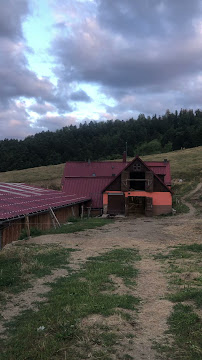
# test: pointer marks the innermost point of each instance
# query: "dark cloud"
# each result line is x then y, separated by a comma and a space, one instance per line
80, 95
159, 18
144, 48
12, 13
14, 121
53, 123
42, 108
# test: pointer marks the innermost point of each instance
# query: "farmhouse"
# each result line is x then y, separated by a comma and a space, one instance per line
128, 188
23, 207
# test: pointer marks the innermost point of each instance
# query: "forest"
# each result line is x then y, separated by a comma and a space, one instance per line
104, 140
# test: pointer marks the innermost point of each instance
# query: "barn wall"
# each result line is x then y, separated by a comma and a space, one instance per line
11, 232
162, 201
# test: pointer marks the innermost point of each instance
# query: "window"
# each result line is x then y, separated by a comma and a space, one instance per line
137, 167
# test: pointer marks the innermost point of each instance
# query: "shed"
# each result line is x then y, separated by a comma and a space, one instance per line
21, 203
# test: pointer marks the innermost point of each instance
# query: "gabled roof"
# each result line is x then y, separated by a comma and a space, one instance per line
21, 199
148, 168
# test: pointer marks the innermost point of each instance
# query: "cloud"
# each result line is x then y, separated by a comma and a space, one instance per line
17, 80
41, 108
53, 122
148, 18
11, 16
140, 56
14, 121
80, 95
146, 49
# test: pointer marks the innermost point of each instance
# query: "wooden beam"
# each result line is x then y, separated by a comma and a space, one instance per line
27, 225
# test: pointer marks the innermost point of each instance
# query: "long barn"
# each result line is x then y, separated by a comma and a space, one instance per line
23, 206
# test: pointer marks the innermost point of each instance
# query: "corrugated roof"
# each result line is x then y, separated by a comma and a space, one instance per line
20, 199
92, 169
111, 168
161, 168
87, 186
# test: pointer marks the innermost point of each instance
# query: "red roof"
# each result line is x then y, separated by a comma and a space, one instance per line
21, 199
92, 169
91, 187
161, 168
111, 168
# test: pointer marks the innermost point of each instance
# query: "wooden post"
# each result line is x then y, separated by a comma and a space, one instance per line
89, 210
27, 225
73, 213
81, 211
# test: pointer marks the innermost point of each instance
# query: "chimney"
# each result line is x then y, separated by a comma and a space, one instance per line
165, 160
124, 156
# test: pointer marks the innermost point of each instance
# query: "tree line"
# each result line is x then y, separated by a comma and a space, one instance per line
104, 140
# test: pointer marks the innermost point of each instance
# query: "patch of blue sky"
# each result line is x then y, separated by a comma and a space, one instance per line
38, 31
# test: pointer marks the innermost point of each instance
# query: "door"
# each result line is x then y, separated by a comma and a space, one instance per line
149, 206
116, 204
136, 205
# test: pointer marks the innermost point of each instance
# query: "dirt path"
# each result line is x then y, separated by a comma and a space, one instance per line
151, 288
150, 236
192, 210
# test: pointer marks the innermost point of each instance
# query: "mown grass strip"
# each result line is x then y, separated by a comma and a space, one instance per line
70, 300
185, 325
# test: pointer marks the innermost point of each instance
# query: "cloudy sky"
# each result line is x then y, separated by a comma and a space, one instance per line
64, 62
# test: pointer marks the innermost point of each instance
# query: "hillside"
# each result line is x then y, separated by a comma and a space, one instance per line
186, 170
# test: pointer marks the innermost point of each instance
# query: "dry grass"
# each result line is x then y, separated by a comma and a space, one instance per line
45, 176
185, 164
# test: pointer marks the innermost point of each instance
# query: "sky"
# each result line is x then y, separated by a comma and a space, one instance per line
65, 62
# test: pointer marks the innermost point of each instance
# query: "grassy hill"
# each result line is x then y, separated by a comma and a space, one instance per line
186, 169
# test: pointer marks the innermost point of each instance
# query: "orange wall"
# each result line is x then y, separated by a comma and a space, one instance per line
159, 198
